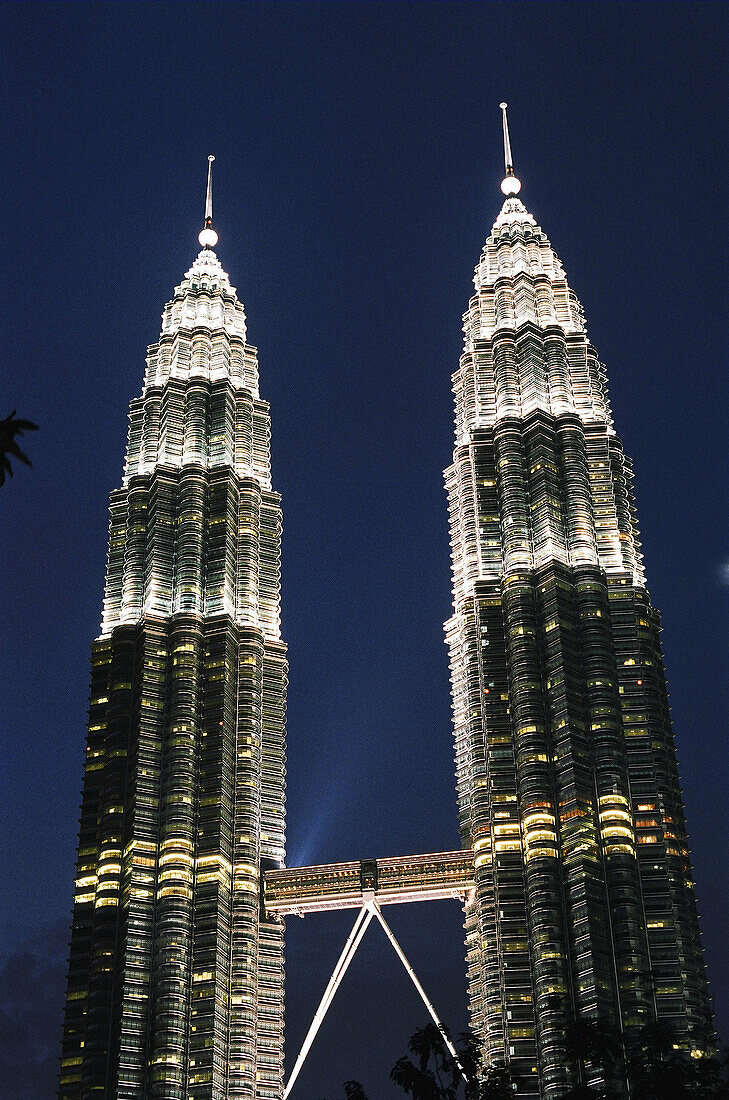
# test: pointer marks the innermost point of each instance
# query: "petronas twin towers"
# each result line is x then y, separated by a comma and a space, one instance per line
176, 978
575, 872
568, 790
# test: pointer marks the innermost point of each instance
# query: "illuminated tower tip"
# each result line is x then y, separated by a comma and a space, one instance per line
207, 237
510, 185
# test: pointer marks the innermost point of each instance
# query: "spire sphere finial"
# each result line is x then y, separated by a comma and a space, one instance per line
207, 237
510, 185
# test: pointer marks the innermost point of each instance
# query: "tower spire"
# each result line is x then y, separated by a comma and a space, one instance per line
510, 185
207, 237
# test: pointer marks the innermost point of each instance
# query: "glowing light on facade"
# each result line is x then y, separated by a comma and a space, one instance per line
584, 901
176, 977
574, 874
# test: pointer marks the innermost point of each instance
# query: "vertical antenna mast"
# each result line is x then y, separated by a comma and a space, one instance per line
510, 185
208, 238
209, 196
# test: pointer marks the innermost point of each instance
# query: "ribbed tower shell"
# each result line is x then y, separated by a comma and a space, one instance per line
568, 789
175, 978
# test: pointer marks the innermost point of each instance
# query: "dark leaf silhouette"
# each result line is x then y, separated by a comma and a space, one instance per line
10, 427
354, 1091
496, 1085
584, 1092
434, 1075
657, 1068
592, 1040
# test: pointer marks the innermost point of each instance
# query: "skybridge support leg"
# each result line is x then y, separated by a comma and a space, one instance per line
369, 910
364, 917
401, 955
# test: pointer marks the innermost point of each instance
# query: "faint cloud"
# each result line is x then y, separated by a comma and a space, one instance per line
33, 979
724, 573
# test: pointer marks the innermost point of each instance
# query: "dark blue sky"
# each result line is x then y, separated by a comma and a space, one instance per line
358, 162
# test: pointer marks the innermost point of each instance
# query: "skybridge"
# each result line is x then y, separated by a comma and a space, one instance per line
367, 885
297, 891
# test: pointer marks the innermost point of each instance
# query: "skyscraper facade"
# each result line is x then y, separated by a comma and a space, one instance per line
175, 982
568, 790
575, 868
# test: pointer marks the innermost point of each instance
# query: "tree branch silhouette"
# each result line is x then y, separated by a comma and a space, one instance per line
10, 427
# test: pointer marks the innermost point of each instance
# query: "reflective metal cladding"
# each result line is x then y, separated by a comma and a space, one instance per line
575, 873
568, 790
176, 978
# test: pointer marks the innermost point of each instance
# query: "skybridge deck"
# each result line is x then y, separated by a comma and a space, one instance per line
302, 890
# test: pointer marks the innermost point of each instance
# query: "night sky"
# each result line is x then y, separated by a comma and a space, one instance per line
358, 152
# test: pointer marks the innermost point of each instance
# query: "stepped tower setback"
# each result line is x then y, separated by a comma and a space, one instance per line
568, 789
176, 975
574, 872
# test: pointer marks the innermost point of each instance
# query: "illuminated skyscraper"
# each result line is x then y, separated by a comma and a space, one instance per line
176, 977
575, 869
568, 789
